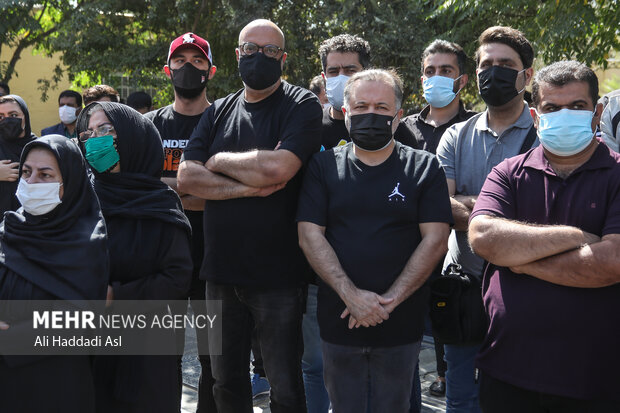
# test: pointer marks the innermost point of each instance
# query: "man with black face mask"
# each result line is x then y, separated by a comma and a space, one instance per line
467, 152
189, 67
244, 158
373, 219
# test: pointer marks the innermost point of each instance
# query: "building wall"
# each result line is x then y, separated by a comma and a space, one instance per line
29, 69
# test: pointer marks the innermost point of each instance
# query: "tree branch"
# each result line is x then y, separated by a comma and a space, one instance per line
197, 18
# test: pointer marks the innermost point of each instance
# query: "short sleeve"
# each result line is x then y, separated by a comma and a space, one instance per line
312, 206
612, 218
302, 132
197, 148
607, 132
435, 199
446, 152
496, 196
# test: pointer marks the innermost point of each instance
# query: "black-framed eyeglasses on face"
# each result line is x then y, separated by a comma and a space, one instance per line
270, 50
102, 130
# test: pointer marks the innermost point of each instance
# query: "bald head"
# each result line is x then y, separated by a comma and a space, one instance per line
262, 32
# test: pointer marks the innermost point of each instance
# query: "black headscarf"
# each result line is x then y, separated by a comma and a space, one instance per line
137, 190
64, 251
12, 150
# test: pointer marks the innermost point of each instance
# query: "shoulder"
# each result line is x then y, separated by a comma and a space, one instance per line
418, 156
152, 115
53, 129
297, 93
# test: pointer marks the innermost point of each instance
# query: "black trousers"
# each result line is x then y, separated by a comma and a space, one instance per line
497, 396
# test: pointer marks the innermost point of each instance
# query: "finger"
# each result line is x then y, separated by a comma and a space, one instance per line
3, 325
384, 300
14, 164
5, 161
345, 313
352, 322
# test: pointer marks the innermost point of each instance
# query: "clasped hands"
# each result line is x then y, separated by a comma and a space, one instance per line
367, 309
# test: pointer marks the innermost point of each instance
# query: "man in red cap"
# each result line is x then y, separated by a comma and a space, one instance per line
189, 67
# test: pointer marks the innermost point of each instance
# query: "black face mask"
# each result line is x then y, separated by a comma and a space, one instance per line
11, 128
370, 131
259, 71
189, 81
497, 85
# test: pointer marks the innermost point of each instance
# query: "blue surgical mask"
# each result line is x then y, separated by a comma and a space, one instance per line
565, 132
439, 90
334, 88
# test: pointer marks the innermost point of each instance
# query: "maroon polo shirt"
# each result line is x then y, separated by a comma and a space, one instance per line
542, 336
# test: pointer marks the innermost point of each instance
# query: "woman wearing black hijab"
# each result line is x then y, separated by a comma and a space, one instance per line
53, 248
15, 133
149, 247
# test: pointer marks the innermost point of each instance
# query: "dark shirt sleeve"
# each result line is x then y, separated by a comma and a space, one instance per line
200, 141
612, 219
171, 281
435, 200
302, 132
496, 197
312, 206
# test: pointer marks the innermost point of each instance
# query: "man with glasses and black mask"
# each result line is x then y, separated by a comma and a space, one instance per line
467, 152
189, 67
244, 158
373, 218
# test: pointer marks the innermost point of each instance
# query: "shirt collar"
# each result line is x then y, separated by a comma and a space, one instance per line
601, 158
459, 117
523, 122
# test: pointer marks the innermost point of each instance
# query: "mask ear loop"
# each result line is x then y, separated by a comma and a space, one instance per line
524, 81
458, 91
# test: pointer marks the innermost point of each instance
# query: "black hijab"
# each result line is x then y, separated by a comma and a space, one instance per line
12, 150
64, 251
137, 190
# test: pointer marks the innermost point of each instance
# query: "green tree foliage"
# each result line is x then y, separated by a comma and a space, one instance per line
103, 39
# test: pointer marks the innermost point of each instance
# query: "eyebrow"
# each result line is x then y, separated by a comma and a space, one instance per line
353, 66
44, 168
574, 102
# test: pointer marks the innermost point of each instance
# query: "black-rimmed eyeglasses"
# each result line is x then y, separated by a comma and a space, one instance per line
269, 50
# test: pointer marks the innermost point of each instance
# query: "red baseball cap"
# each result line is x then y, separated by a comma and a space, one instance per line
191, 40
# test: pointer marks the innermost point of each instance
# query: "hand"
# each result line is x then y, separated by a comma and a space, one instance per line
366, 309
3, 325
110, 297
268, 190
8, 170
468, 200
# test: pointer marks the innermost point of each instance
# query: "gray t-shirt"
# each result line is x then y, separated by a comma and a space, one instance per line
467, 152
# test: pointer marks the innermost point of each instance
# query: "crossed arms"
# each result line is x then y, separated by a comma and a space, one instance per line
558, 254
367, 308
228, 175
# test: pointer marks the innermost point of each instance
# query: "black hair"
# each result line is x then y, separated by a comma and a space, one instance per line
346, 43
139, 100
512, 38
443, 46
562, 73
317, 84
71, 94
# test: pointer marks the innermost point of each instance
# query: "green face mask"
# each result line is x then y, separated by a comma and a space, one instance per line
101, 153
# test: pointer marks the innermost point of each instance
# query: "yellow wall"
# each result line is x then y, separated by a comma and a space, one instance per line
29, 69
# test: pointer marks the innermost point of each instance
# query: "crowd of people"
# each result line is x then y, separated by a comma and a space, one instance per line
318, 220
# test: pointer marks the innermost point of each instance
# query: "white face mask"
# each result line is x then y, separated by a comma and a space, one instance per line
334, 89
67, 114
38, 199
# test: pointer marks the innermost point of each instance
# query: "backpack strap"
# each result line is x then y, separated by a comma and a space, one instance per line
529, 140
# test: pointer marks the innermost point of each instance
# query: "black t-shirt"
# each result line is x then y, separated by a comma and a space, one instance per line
415, 132
333, 131
175, 130
253, 241
372, 216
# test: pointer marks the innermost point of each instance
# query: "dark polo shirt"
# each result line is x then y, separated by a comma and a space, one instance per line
414, 131
542, 336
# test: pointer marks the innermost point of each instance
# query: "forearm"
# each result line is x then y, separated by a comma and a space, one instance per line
323, 260
422, 262
172, 183
192, 203
462, 206
257, 168
509, 243
197, 180
591, 266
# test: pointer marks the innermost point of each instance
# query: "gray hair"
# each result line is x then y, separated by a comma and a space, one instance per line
387, 76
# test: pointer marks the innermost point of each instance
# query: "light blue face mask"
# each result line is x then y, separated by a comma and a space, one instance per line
439, 90
565, 132
334, 89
